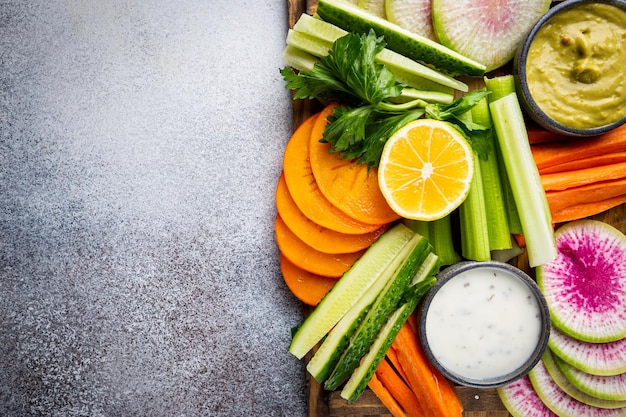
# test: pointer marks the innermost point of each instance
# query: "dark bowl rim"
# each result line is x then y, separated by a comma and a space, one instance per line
519, 73
454, 270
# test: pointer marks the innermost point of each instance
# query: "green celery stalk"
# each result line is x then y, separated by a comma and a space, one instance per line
418, 226
440, 237
499, 87
495, 205
523, 174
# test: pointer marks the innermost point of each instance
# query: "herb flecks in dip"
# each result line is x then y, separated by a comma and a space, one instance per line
576, 66
483, 323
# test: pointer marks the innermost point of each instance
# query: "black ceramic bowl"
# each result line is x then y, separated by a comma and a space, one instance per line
484, 324
522, 75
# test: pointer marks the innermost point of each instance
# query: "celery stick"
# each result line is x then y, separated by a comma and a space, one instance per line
418, 226
440, 237
495, 206
528, 192
500, 86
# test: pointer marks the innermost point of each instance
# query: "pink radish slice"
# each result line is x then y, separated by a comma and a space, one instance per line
521, 400
485, 30
412, 15
594, 358
562, 404
585, 286
570, 389
605, 387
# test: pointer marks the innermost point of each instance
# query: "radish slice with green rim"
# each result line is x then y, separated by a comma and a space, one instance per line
594, 358
412, 15
612, 387
488, 32
561, 403
521, 400
570, 389
585, 286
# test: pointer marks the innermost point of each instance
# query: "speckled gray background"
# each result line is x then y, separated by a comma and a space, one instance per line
140, 144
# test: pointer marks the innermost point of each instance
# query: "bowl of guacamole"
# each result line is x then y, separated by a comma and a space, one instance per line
570, 68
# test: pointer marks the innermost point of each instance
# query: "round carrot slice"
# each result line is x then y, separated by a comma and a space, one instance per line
307, 287
314, 235
309, 259
304, 190
426, 169
351, 187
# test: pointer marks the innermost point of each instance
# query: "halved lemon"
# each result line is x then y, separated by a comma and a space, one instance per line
425, 170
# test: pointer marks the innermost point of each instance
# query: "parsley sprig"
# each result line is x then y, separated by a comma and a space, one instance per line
359, 129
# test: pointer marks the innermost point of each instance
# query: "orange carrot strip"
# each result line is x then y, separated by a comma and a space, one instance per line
580, 211
399, 389
590, 193
537, 134
352, 188
385, 397
520, 239
392, 355
304, 189
593, 161
435, 393
565, 180
314, 235
307, 287
549, 154
309, 259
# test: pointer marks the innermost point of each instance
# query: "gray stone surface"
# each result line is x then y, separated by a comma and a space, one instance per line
140, 144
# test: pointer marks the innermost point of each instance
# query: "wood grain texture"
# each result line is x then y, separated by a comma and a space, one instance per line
476, 402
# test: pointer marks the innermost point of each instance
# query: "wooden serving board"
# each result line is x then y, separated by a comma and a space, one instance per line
476, 402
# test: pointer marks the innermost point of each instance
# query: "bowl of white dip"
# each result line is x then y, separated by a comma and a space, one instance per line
484, 324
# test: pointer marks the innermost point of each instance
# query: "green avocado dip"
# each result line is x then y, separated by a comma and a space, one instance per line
576, 66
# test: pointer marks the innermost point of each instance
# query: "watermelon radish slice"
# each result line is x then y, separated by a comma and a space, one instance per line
487, 31
521, 400
571, 390
561, 403
412, 15
605, 387
593, 358
585, 286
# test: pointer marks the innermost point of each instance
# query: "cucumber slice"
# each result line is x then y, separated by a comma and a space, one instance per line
327, 33
413, 15
571, 390
386, 302
298, 59
560, 402
611, 387
349, 288
585, 286
487, 32
424, 50
327, 355
367, 367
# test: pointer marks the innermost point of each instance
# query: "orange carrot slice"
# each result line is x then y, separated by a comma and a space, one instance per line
580, 211
569, 179
435, 393
304, 190
593, 161
307, 287
352, 188
385, 397
309, 259
399, 389
559, 200
314, 235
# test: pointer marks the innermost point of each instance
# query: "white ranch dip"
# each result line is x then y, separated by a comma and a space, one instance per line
483, 323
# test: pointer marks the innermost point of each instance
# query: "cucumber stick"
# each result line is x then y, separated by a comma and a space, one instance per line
327, 355
404, 69
351, 18
386, 302
349, 288
424, 280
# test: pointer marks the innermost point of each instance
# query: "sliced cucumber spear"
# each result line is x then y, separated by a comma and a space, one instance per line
351, 18
349, 288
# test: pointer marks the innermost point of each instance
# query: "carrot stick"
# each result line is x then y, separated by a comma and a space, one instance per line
565, 180
592, 161
309, 259
307, 287
385, 397
583, 210
399, 389
392, 355
318, 237
436, 395
352, 188
598, 191
549, 154
537, 134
